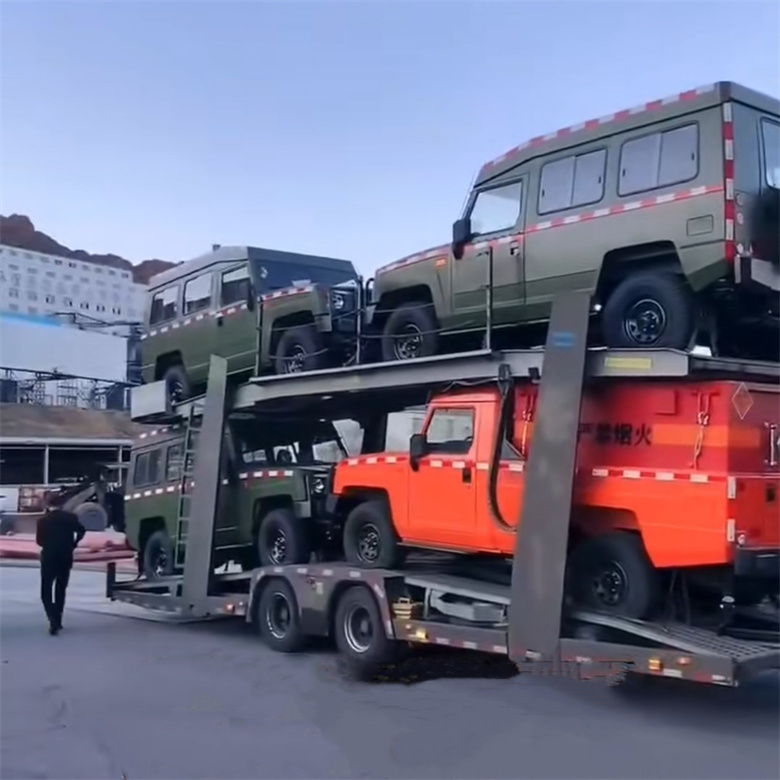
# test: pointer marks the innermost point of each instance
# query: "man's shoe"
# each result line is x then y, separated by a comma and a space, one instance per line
53, 630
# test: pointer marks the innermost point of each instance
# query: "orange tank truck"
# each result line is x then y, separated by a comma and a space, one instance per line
671, 478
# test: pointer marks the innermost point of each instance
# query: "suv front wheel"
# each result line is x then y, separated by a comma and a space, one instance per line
650, 310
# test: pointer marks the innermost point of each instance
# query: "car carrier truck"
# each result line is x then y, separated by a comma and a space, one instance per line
376, 614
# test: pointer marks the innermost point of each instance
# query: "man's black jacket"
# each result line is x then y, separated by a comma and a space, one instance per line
57, 535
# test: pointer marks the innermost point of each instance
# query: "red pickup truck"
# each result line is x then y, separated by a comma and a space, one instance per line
671, 477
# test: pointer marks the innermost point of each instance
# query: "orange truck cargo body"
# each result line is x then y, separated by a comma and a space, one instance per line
691, 466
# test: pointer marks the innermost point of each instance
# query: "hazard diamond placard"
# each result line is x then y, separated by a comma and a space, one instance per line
742, 400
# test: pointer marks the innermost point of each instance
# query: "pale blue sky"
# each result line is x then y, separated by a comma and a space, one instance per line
351, 129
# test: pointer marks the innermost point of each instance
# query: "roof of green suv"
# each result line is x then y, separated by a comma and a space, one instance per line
230, 254
627, 119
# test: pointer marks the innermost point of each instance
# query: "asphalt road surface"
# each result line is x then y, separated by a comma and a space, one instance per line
116, 695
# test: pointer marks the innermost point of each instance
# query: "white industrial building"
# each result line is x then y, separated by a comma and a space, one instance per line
39, 284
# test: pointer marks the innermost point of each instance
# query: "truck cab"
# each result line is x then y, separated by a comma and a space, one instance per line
263, 310
666, 214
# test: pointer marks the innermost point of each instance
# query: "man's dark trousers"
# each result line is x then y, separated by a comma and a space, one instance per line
55, 574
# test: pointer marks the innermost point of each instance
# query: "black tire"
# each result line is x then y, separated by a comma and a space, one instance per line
282, 538
410, 323
370, 540
177, 384
278, 618
360, 634
158, 556
652, 310
613, 574
300, 349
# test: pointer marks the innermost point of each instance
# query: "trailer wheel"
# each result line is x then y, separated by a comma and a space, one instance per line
650, 310
282, 538
158, 556
370, 540
361, 636
299, 349
410, 332
613, 574
278, 619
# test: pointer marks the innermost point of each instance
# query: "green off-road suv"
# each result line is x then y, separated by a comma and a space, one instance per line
273, 497
666, 213
261, 309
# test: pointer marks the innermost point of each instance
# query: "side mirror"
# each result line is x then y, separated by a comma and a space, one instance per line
418, 448
250, 298
461, 235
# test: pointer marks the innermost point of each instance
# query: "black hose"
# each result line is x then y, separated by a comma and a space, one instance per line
504, 418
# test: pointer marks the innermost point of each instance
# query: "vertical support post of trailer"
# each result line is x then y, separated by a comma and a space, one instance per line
198, 564
539, 564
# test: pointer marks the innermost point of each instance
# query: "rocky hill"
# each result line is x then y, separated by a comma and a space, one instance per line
18, 231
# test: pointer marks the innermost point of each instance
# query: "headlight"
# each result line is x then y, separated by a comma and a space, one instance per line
319, 485
339, 300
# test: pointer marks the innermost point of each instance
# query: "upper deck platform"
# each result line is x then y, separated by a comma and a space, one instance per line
387, 387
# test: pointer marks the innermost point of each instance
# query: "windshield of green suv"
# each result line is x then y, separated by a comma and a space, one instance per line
771, 134
282, 445
270, 275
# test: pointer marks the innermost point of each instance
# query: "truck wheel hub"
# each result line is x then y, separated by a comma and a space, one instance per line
294, 361
278, 551
645, 321
369, 543
358, 630
609, 585
408, 343
278, 616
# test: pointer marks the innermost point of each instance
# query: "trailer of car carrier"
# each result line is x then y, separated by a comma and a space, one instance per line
374, 614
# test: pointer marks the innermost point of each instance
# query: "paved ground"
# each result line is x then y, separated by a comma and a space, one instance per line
114, 695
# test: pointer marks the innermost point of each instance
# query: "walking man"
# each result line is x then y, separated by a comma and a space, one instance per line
58, 533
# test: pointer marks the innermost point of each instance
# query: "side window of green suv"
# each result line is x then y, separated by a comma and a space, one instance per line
147, 469
197, 293
235, 286
164, 305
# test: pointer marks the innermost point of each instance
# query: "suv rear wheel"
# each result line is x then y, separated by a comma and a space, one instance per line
612, 574
650, 310
177, 384
282, 538
158, 556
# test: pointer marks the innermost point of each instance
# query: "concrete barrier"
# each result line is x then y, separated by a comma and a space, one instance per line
96, 546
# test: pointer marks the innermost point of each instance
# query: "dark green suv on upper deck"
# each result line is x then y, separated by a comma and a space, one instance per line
666, 213
261, 309
272, 507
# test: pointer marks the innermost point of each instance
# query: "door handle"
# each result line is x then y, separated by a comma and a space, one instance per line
514, 249
466, 474
219, 321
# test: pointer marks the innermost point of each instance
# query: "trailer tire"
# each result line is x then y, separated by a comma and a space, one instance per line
650, 310
282, 538
278, 618
177, 384
158, 556
300, 349
370, 540
417, 323
612, 574
360, 635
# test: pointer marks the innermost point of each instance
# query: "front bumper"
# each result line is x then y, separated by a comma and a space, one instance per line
757, 563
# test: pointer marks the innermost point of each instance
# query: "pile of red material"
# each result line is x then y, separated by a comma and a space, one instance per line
95, 546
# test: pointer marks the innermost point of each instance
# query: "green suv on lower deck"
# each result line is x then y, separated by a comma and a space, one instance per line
666, 213
272, 503
261, 309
